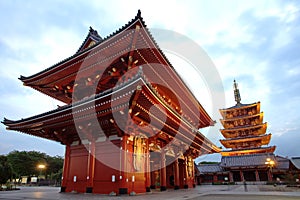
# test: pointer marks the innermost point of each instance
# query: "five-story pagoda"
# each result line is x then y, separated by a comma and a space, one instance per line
244, 129
247, 158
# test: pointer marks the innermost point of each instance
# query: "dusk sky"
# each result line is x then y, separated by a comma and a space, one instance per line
254, 42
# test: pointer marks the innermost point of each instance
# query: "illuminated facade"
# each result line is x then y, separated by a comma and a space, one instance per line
130, 124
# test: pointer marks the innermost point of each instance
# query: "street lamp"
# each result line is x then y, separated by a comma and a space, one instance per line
41, 167
270, 163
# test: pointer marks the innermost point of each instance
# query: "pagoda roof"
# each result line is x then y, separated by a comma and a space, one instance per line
265, 139
247, 151
254, 160
241, 106
261, 114
233, 132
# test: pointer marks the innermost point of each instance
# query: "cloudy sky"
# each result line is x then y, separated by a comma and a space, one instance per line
254, 42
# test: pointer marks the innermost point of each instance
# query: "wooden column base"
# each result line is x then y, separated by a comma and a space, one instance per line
89, 190
148, 189
63, 189
123, 190
163, 188
152, 186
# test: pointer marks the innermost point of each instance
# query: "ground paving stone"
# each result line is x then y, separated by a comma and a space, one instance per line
203, 192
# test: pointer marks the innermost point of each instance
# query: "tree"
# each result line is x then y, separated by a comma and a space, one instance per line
208, 162
5, 170
54, 164
25, 163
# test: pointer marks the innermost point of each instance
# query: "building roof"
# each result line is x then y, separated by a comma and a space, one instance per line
60, 124
282, 163
91, 36
241, 105
209, 168
42, 125
53, 67
247, 151
264, 137
246, 160
136, 43
234, 132
296, 162
260, 115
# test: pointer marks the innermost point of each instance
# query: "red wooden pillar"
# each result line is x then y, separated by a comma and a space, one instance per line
185, 173
194, 175
257, 176
270, 175
152, 176
230, 177
91, 167
215, 178
163, 172
176, 175
123, 184
66, 169
147, 167
242, 175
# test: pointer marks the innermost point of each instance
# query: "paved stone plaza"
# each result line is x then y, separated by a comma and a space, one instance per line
204, 192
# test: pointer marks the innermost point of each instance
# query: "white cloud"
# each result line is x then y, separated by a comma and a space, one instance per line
282, 131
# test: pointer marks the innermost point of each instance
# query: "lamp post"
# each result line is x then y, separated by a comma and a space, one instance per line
41, 167
270, 164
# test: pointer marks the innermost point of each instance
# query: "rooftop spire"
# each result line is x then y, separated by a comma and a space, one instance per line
139, 13
237, 95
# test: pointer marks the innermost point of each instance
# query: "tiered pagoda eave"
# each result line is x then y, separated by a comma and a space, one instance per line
244, 130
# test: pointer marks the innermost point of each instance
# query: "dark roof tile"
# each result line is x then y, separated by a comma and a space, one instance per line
296, 162
209, 168
246, 160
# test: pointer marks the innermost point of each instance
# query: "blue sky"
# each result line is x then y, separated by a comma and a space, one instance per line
254, 42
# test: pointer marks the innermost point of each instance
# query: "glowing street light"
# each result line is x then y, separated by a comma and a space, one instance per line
270, 163
41, 167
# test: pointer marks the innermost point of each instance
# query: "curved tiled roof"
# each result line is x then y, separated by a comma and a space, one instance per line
138, 16
296, 162
209, 168
93, 34
282, 163
246, 160
69, 106
240, 105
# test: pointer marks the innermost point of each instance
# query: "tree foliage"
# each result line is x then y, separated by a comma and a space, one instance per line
25, 163
208, 162
5, 170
